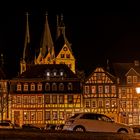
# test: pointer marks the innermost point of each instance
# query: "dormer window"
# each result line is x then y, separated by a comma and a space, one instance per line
18, 87
54, 72
129, 79
61, 86
32, 87
70, 86
26, 87
47, 87
48, 73
39, 87
61, 73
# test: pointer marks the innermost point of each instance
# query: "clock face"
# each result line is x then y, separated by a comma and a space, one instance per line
65, 48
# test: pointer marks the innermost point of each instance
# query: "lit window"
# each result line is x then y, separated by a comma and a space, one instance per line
70, 99
54, 87
48, 115
25, 87
61, 99
32, 88
100, 103
39, 87
107, 104
32, 99
113, 88
61, 115
100, 89
129, 79
61, 87
47, 99
70, 86
39, 116
68, 55
62, 55
135, 79
87, 104
18, 99
25, 100
39, 100
106, 89
93, 89
54, 99
26, 115
93, 104
18, 87
54, 115
86, 89
32, 115
47, 87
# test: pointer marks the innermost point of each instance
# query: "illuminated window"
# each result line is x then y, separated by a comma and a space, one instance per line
67, 55
48, 115
61, 99
135, 79
114, 105
129, 79
93, 89
62, 55
54, 115
113, 89
70, 86
26, 115
32, 115
135, 104
61, 73
70, 99
39, 116
100, 89
86, 89
93, 104
61, 115
32, 99
39, 87
87, 104
100, 104
47, 99
18, 99
54, 99
32, 87
61, 87
18, 87
106, 89
39, 99
25, 87
107, 104
25, 100
47, 87
54, 87
54, 72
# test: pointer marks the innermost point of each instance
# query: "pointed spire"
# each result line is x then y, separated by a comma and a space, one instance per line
27, 39
47, 42
108, 68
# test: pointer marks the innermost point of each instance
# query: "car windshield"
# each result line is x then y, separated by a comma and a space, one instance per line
74, 116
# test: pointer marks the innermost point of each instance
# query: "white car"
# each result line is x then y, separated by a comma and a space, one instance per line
95, 123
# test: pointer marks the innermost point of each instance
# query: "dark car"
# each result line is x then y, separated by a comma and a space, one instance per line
30, 126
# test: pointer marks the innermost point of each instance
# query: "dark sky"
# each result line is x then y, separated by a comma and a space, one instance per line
97, 31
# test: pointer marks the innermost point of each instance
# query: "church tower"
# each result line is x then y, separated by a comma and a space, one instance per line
26, 60
46, 54
63, 51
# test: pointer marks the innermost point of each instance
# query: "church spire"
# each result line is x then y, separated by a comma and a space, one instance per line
47, 46
27, 40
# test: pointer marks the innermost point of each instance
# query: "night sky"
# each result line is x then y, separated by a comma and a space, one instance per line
97, 31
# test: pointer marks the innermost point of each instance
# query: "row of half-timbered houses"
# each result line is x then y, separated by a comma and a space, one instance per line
48, 89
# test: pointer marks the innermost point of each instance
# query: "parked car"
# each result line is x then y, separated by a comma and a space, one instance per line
6, 125
30, 126
50, 127
96, 123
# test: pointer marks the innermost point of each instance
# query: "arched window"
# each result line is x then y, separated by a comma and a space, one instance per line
61, 87
70, 87
54, 87
54, 72
47, 87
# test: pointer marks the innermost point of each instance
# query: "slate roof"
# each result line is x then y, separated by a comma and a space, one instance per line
121, 69
39, 71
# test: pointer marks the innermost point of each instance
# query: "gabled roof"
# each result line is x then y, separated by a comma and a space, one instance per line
39, 71
121, 69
